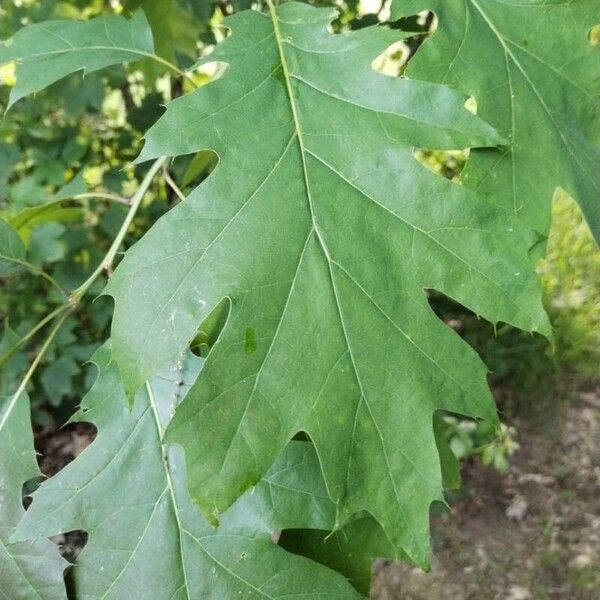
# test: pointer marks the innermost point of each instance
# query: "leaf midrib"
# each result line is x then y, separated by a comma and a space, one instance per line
315, 229
508, 53
170, 486
181, 530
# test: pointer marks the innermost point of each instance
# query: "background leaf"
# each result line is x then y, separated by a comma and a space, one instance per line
12, 250
535, 75
47, 52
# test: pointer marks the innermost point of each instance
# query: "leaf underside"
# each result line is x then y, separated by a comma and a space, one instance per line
327, 336
146, 538
536, 77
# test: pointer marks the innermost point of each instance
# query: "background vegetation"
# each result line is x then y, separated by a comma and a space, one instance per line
67, 215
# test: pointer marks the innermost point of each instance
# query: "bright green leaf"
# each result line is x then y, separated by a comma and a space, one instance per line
145, 536
536, 77
323, 238
48, 51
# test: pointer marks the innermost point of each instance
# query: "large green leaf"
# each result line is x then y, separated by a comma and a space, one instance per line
129, 493
323, 231
48, 51
28, 570
536, 78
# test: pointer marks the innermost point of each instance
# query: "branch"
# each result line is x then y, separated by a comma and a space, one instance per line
172, 184
76, 296
36, 271
134, 203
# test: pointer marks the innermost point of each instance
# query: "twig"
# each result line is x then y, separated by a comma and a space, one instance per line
172, 183
100, 195
106, 263
23, 385
36, 271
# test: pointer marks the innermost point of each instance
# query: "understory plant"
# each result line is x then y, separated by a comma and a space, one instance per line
274, 391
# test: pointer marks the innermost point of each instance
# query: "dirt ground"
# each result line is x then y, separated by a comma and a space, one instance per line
532, 533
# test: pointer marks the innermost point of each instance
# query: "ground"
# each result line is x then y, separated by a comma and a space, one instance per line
532, 533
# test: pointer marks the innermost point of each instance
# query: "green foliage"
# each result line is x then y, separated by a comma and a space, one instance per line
273, 234
45, 53
27, 569
78, 154
570, 275
470, 438
143, 507
512, 58
12, 251
313, 271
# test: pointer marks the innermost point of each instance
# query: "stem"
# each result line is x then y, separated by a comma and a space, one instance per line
112, 251
32, 368
33, 269
77, 294
174, 68
172, 183
6, 357
100, 195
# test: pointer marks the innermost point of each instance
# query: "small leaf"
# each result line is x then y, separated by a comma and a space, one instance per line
12, 250
57, 378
